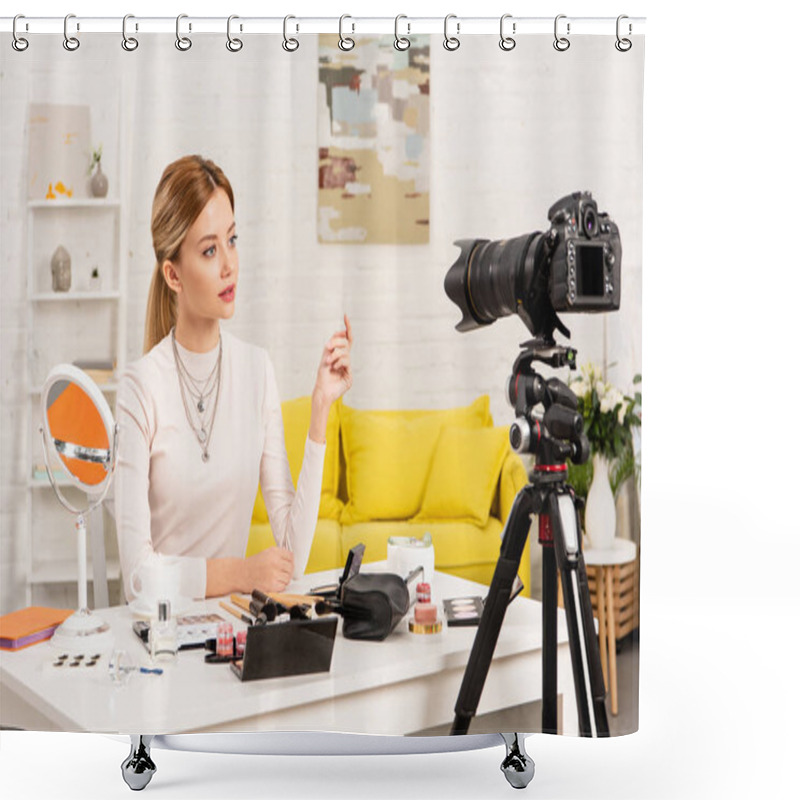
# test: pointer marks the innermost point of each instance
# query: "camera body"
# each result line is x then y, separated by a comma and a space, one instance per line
575, 266
586, 255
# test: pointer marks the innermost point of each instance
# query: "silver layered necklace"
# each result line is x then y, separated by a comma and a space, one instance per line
196, 395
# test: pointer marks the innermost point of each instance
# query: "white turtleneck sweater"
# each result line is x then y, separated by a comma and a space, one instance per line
167, 500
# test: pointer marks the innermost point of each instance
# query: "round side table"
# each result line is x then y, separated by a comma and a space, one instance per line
622, 551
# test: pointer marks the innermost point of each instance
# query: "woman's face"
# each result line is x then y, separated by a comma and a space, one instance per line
207, 269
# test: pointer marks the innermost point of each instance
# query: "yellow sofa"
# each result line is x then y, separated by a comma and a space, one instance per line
404, 473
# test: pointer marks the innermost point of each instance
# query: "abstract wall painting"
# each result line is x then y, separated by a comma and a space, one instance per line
374, 144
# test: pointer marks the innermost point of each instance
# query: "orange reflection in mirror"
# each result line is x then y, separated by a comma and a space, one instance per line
73, 418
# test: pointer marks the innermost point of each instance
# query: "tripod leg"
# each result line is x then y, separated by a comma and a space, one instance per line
518, 766
480, 658
584, 648
549, 631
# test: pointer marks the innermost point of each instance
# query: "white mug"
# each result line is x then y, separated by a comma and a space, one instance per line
404, 554
156, 579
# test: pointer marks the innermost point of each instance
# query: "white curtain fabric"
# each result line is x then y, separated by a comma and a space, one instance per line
510, 133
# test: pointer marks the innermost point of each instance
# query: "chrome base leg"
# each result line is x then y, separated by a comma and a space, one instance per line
138, 768
518, 766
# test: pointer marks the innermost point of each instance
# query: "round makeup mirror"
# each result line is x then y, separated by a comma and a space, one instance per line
78, 428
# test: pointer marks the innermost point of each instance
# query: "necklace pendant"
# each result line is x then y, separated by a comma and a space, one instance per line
201, 434
201, 406
205, 455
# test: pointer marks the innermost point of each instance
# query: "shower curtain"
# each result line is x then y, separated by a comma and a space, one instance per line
356, 167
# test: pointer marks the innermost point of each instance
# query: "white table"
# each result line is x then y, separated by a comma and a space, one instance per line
402, 685
622, 551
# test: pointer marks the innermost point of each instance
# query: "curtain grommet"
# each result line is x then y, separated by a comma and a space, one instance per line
129, 43
290, 44
623, 44
19, 43
345, 42
183, 43
507, 43
401, 43
451, 42
233, 44
71, 43
561, 43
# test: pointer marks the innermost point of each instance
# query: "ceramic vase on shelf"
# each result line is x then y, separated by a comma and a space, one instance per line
601, 510
61, 269
99, 182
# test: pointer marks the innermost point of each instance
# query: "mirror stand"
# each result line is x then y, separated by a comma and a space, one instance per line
83, 631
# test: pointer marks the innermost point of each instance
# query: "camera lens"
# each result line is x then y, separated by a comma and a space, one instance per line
589, 222
488, 278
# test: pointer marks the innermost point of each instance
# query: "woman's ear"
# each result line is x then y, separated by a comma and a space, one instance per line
171, 275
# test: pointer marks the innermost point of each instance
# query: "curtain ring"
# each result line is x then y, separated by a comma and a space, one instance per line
18, 42
70, 42
623, 45
290, 44
345, 42
401, 42
183, 43
506, 42
233, 44
451, 42
129, 43
561, 43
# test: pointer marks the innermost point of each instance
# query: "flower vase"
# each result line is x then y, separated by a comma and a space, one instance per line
601, 510
99, 183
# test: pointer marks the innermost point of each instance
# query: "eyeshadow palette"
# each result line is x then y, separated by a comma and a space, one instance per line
463, 611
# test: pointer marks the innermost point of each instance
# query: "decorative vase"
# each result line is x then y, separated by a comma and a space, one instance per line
95, 283
99, 183
61, 269
601, 510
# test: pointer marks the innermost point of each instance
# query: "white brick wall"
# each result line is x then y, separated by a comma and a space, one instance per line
510, 133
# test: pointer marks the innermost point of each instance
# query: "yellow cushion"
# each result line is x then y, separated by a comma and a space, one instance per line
296, 420
388, 457
464, 474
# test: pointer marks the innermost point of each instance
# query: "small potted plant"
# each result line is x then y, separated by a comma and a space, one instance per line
99, 182
95, 282
609, 417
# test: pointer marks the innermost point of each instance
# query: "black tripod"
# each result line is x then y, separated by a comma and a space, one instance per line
553, 436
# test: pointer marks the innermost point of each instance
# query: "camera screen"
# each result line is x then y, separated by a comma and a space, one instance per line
589, 270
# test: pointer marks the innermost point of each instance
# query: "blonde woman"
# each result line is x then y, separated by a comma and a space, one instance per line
199, 413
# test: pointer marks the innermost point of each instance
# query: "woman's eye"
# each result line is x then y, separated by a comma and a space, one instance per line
234, 238
210, 249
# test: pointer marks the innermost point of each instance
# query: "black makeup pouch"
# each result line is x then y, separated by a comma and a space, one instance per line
372, 604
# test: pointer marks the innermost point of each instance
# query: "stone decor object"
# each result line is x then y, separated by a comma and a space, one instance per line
61, 269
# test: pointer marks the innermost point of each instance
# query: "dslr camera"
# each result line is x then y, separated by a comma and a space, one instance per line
574, 266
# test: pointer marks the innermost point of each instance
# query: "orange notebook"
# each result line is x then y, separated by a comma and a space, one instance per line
30, 625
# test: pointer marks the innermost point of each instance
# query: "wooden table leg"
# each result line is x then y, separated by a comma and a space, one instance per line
612, 639
601, 616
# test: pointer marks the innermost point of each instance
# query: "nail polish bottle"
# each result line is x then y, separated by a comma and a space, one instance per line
164, 634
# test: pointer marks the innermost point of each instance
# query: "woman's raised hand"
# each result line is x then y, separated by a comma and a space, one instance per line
334, 376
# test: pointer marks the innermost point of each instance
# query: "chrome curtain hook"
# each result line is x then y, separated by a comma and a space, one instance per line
506, 42
290, 44
401, 42
233, 44
623, 45
183, 43
129, 43
19, 43
561, 43
451, 42
345, 42
71, 43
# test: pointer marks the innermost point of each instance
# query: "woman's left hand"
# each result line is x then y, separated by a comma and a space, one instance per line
334, 376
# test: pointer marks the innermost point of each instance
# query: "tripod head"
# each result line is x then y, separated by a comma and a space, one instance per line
556, 433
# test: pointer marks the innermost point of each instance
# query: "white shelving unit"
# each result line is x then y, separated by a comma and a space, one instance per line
80, 323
